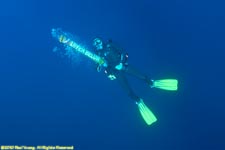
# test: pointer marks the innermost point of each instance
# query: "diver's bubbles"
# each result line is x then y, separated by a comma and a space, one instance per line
73, 57
68, 56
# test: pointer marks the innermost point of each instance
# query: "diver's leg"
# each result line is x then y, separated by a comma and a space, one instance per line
145, 112
164, 84
135, 72
125, 85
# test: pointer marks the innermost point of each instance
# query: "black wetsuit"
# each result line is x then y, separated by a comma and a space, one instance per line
112, 55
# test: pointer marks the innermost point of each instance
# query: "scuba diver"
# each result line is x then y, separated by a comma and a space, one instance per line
114, 62
116, 67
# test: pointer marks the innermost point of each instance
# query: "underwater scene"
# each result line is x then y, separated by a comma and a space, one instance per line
112, 75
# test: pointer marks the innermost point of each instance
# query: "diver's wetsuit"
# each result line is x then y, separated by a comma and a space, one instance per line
112, 55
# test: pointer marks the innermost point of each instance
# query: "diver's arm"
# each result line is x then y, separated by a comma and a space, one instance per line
98, 66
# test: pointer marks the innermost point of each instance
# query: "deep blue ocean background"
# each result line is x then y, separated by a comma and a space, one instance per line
47, 100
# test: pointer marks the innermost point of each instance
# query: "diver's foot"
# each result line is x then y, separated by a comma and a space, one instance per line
149, 81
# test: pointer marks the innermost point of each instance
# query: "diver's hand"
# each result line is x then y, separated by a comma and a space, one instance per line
100, 66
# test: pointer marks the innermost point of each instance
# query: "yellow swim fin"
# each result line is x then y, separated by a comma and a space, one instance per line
165, 84
146, 113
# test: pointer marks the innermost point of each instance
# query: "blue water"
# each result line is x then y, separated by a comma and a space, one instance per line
47, 101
